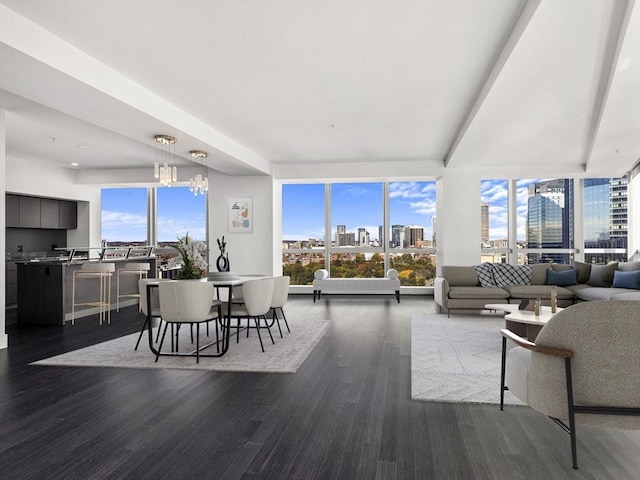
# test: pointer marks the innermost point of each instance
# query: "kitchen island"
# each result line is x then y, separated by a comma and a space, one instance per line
45, 289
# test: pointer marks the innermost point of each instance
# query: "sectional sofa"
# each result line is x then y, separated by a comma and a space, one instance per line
472, 287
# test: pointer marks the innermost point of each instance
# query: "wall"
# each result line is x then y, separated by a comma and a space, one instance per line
458, 219
249, 253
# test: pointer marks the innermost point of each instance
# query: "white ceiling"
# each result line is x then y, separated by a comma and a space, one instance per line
486, 85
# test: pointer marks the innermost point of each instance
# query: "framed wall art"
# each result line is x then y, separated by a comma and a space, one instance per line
240, 214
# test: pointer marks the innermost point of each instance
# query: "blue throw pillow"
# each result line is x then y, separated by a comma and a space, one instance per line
626, 279
563, 278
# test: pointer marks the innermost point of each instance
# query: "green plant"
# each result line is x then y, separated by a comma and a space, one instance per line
193, 256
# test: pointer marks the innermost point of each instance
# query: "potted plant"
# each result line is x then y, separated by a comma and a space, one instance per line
193, 256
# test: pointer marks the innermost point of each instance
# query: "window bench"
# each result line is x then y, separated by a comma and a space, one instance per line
324, 284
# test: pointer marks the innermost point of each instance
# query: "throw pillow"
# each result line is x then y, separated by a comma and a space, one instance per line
629, 266
562, 278
602, 275
506, 274
627, 279
584, 271
485, 275
560, 267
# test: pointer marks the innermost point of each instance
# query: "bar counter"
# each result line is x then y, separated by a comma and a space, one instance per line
45, 289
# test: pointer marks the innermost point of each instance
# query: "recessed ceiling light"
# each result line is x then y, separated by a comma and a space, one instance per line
74, 164
84, 147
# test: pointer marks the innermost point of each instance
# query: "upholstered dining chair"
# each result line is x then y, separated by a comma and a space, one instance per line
257, 295
155, 305
187, 301
584, 367
280, 296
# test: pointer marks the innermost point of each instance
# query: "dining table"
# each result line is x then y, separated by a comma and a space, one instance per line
222, 345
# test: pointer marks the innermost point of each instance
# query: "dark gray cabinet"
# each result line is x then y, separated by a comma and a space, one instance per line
29, 212
12, 209
34, 212
49, 213
68, 215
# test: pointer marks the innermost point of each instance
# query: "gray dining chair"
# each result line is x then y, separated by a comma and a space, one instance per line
187, 301
257, 295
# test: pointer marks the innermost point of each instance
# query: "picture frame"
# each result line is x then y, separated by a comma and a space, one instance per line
240, 214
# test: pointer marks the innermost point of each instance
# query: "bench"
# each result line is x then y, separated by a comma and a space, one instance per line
322, 283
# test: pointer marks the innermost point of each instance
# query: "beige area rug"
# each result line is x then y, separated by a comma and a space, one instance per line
457, 359
285, 356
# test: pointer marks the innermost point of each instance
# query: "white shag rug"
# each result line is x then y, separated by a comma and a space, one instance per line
457, 359
285, 356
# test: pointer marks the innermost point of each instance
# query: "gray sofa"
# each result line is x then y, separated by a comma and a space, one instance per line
461, 287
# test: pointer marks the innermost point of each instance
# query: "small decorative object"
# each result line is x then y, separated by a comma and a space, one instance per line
223, 260
524, 305
554, 299
537, 310
193, 257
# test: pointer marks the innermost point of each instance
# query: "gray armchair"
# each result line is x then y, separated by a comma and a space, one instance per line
583, 368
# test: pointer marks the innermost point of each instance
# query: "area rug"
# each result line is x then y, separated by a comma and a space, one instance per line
284, 356
457, 359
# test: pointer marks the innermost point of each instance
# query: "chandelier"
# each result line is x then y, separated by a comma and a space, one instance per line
162, 168
197, 184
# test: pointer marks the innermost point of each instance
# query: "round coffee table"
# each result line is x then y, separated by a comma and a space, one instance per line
523, 323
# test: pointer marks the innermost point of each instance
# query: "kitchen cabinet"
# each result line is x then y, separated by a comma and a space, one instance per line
12, 209
23, 211
29, 212
49, 213
68, 215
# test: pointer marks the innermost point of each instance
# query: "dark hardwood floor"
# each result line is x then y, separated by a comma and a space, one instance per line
346, 414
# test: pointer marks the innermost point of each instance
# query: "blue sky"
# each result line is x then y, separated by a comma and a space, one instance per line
124, 214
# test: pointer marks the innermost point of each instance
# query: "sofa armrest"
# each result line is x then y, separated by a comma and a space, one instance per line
441, 291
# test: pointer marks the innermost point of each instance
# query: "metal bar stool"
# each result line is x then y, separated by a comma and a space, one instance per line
96, 271
137, 269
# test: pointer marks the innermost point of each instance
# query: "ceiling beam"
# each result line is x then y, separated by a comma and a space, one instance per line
527, 12
620, 16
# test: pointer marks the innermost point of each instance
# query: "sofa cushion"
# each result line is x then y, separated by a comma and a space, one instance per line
478, 292
506, 274
563, 278
629, 266
537, 291
539, 273
626, 279
560, 267
602, 275
598, 293
460, 276
584, 271
485, 275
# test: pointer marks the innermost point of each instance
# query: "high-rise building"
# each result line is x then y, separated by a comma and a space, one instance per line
340, 229
605, 217
397, 236
484, 223
347, 239
381, 236
363, 237
412, 235
550, 219
434, 225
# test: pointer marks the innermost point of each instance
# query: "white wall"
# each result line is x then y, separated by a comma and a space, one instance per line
458, 219
249, 253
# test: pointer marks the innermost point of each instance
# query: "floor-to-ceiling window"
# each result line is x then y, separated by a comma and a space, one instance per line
494, 220
411, 232
359, 230
124, 216
303, 231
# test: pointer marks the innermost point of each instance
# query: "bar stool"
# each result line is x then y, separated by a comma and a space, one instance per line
95, 271
137, 269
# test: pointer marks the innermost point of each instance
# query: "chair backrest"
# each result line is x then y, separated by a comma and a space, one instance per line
280, 291
98, 267
185, 301
603, 336
142, 289
258, 295
137, 266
